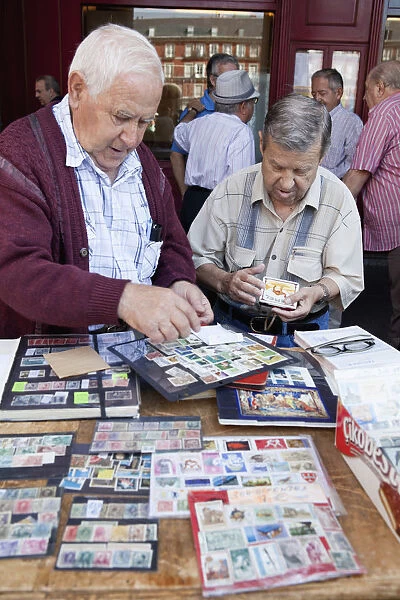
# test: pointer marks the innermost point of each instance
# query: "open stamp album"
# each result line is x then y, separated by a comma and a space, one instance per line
34, 392
189, 366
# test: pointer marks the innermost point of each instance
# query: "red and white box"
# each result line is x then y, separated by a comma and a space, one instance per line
372, 466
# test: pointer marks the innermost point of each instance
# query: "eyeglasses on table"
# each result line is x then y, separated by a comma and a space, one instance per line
345, 344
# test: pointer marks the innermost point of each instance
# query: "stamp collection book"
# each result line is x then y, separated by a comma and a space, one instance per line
189, 366
291, 396
378, 354
34, 392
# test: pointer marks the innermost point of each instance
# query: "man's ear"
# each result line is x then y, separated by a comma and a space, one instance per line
76, 86
381, 87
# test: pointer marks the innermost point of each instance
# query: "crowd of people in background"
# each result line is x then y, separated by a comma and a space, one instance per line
90, 238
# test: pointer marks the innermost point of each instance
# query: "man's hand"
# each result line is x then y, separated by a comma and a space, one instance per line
196, 104
160, 313
305, 298
196, 299
242, 286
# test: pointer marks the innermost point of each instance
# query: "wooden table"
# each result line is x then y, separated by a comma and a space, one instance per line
177, 575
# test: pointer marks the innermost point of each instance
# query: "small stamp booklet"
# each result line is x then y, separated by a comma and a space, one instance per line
245, 542
276, 291
29, 521
109, 534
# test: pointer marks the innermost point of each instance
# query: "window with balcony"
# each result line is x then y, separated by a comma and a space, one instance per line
227, 48
213, 49
169, 50
188, 70
240, 50
200, 50
199, 70
254, 50
168, 70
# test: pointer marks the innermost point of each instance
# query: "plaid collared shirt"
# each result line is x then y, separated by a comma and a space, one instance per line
117, 215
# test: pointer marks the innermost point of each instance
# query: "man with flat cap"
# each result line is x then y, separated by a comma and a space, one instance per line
220, 143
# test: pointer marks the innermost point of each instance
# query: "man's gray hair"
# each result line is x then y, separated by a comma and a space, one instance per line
297, 122
50, 83
113, 50
227, 109
388, 72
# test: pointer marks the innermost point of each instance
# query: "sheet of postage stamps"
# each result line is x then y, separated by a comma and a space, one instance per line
107, 473
29, 519
287, 466
147, 434
245, 543
109, 534
35, 456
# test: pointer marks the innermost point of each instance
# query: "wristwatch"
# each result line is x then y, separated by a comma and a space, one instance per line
195, 109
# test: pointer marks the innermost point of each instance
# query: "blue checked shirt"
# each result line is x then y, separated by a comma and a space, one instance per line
117, 215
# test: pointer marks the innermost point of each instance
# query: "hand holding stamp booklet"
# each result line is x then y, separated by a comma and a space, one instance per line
276, 291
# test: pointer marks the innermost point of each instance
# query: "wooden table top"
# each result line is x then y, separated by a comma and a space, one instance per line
177, 576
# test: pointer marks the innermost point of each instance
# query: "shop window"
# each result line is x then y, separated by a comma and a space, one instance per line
184, 62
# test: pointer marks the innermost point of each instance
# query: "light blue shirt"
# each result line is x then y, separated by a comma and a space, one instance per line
117, 215
218, 145
346, 129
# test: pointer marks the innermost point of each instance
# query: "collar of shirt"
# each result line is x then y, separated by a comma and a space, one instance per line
208, 101
380, 107
336, 109
311, 197
76, 155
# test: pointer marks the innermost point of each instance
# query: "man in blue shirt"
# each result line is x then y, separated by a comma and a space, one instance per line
199, 107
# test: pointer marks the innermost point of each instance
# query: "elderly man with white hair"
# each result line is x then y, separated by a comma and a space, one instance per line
88, 220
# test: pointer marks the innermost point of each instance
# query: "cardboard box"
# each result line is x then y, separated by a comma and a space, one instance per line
372, 465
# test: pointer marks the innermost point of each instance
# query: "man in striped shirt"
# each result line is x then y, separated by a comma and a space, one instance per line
375, 173
327, 88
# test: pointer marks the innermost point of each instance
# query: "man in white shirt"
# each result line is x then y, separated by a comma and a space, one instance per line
219, 144
327, 88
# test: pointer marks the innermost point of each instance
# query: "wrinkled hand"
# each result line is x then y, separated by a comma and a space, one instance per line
196, 299
243, 286
161, 314
305, 298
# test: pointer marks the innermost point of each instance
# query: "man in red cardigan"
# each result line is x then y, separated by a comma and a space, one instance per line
88, 235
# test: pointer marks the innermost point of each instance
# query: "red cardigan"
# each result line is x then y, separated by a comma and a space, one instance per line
45, 284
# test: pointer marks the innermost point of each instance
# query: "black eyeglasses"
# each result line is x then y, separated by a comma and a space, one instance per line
346, 344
